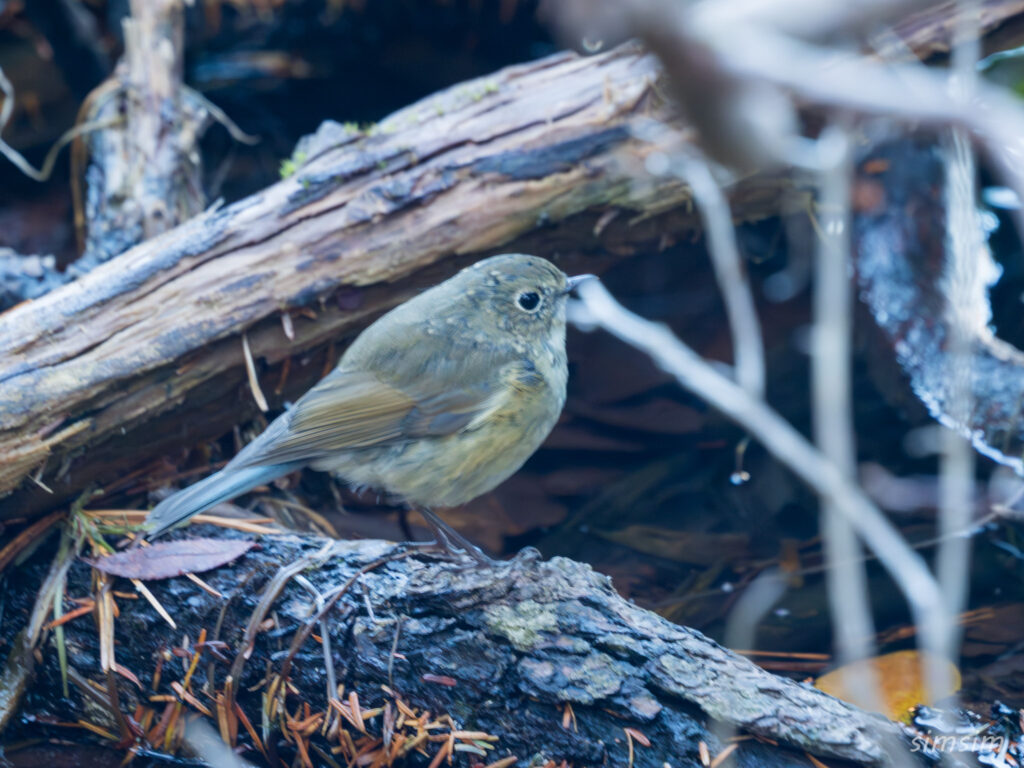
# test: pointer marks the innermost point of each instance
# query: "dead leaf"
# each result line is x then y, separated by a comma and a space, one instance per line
168, 559
899, 678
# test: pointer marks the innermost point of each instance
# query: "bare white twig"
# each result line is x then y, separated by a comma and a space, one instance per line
739, 81
325, 635
748, 348
967, 310
846, 579
907, 92
741, 629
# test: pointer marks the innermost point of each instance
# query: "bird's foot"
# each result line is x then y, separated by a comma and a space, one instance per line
454, 544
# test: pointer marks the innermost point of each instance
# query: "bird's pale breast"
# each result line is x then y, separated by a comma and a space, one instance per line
450, 470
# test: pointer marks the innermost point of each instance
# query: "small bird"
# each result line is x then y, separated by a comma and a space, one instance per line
435, 403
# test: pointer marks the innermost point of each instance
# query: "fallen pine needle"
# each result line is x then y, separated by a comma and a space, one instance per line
70, 615
640, 737
721, 756
190, 699
705, 756
251, 731
203, 585
151, 598
444, 751
475, 735
98, 730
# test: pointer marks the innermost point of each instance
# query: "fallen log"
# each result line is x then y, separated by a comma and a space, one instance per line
540, 660
143, 354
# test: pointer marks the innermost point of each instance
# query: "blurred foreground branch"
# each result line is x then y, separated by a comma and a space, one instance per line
834, 485
748, 76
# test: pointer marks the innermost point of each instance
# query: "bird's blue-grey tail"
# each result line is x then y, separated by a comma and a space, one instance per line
218, 487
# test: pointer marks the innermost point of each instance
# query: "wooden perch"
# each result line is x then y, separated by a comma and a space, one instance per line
545, 656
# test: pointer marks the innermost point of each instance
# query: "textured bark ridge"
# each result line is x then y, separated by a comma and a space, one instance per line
502, 651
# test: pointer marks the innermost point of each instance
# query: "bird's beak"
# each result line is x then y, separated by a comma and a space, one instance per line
574, 282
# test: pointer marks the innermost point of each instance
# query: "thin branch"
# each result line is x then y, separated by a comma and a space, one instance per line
965, 289
846, 580
17, 159
906, 567
716, 216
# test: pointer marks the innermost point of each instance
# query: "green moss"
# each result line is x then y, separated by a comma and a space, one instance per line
523, 625
290, 165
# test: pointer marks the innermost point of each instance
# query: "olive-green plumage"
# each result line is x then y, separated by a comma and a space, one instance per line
437, 402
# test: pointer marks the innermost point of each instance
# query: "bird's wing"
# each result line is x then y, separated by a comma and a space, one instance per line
356, 409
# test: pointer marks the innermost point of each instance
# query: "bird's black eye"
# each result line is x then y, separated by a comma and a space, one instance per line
528, 301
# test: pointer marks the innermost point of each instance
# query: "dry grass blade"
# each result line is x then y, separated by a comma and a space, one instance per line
170, 732
151, 599
17, 671
255, 525
222, 718
357, 715
270, 594
195, 658
722, 756
105, 622
59, 640
203, 585
98, 730
254, 382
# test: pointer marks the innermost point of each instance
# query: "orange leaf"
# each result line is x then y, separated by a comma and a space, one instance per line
899, 678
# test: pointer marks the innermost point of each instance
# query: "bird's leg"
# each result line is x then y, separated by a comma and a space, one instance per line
453, 542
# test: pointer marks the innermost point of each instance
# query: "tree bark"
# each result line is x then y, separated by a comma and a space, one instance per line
505, 651
143, 354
